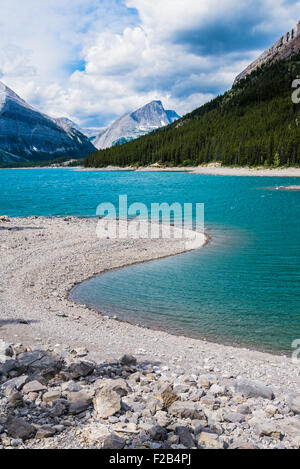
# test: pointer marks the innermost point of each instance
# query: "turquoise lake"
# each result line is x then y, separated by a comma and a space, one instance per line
243, 288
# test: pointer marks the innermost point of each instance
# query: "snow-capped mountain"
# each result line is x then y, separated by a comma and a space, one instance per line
135, 124
28, 135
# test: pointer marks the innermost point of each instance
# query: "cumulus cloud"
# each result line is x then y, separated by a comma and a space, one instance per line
102, 58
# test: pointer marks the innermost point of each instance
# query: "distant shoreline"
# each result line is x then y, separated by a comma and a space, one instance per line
212, 170
209, 170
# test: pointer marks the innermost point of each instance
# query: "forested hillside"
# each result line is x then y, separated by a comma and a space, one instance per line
254, 123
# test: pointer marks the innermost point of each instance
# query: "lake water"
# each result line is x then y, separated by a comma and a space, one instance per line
243, 288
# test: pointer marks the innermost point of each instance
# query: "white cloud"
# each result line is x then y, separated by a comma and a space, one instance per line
130, 59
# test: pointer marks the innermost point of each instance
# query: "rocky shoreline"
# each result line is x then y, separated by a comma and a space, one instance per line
177, 391
48, 400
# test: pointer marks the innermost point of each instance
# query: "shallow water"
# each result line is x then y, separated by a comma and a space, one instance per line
243, 288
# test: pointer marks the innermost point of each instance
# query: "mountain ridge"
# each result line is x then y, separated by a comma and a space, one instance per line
26, 134
285, 47
135, 124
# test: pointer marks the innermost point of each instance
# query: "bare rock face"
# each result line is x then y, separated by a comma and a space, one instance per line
28, 135
285, 47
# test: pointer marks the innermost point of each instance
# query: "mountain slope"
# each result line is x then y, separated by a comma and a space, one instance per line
135, 124
285, 47
254, 123
91, 132
28, 135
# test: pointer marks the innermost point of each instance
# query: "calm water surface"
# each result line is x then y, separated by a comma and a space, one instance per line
243, 288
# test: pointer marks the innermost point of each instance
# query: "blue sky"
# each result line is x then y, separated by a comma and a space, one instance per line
94, 60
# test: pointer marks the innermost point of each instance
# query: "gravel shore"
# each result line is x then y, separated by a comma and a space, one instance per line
211, 170
42, 259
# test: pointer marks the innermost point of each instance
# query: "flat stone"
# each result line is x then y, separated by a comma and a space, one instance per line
77, 408
234, 417
272, 430
33, 386
45, 431
250, 388
15, 383
209, 441
15, 398
80, 396
242, 445
51, 396
186, 410
95, 432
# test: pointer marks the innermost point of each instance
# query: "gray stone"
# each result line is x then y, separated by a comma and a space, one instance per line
82, 369
113, 441
59, 408
19, 428
33, 386
293, 401
209, 441
80, 396
250, 388
77, 408
15, 399
242, 445
51, 396
128, 360
185, 437
158, 433
15, 383
154, 405
270, 429
186, 410
234, 417
45, 431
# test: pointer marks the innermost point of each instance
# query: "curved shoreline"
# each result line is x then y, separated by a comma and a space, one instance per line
44, 258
